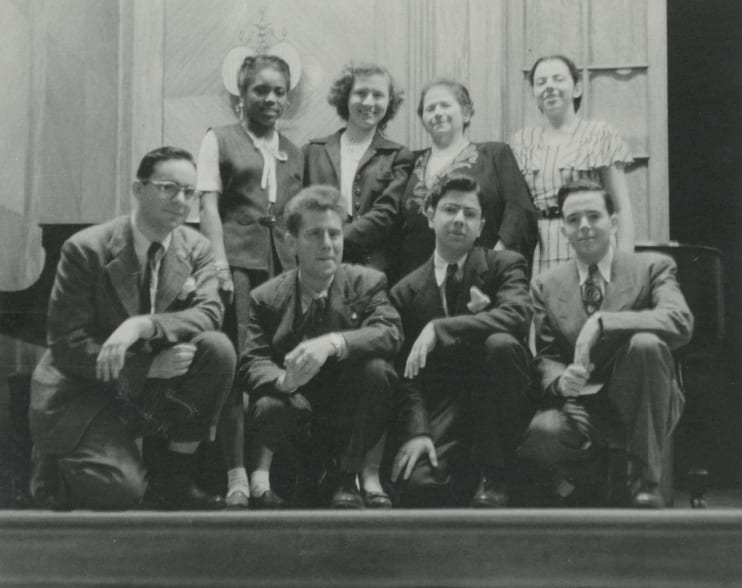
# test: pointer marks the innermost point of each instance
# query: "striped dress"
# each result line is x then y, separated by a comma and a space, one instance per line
546, 168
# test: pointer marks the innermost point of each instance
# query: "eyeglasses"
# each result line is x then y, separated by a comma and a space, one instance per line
172, 189
470, 213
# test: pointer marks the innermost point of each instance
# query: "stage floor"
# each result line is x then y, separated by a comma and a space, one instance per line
511, 547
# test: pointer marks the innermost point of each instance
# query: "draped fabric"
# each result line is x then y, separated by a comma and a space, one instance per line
21, 255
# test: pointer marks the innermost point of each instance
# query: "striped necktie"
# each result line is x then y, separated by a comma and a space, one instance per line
148, 292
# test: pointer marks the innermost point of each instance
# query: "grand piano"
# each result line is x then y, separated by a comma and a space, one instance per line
23, 317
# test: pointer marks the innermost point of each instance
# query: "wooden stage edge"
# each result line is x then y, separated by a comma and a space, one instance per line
534, 547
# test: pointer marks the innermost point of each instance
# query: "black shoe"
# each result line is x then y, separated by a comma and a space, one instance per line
346, 495
47, 485
180, 493
647, 497
268, 500
376, 500
490, 493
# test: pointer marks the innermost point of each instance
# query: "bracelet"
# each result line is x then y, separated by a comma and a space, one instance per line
220, 267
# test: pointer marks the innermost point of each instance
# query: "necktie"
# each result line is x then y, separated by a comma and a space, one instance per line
452, 287
147, 292
592, 295
315, 316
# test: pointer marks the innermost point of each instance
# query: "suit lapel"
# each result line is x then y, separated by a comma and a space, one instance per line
332, 148
620, 293
174, 270
123, 270
288, 304
428, 295
571, 311
475, 271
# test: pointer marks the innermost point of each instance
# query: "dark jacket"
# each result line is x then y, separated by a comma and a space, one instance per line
380, 179
501, 276
358, 308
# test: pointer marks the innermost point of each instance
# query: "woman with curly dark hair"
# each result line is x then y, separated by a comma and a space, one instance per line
370, 170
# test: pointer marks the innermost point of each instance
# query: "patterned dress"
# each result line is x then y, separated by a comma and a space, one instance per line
546, 168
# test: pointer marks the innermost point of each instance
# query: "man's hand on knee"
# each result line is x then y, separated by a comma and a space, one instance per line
409, 454
112, 354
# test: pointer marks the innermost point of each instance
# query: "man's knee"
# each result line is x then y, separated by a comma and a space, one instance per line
504, 347
216, 347
648, 345
268, 408
104, 486
550, 439
375, 370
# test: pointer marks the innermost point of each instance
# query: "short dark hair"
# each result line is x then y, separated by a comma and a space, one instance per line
584, 186
150, 160
459, 90
253, 64
455, 182
343, 86
573, 71
318, 198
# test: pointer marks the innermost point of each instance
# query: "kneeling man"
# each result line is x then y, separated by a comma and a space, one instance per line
133, 351
466, 395
606, 323
317, 361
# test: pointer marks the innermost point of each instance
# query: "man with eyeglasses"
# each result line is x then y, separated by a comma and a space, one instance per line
133, 351
465, 394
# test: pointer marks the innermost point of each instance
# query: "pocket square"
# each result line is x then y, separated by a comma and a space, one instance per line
478, 300
189, 287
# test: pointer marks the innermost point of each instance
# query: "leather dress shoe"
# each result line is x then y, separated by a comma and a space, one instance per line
346, 495
237, 500
376, 500
490, 493
268, 500
648, 497
46, 485
181, 493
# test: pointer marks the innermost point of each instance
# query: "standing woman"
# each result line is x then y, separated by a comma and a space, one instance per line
369, 170
247, 172
566, 148
446, 110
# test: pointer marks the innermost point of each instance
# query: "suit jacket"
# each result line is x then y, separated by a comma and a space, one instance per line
95, 290
358, 308
501, 275
380, 179
642, 295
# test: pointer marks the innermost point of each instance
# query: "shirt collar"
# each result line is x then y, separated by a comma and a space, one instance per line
307, 294
268, 144
440, 266
604, 267
141, 243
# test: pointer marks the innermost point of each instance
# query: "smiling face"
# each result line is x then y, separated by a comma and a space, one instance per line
442, 115
264, 100
368, 101
457, 223
318, 245
157, 213
588, 226
554, 87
